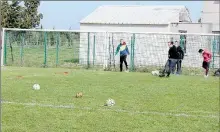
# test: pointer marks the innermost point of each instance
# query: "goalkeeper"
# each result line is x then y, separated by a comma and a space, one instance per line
122, 47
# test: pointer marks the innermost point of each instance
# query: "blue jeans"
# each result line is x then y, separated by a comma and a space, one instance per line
172, 64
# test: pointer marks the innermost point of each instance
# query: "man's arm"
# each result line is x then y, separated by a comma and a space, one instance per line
169, 52
127, 50
117, 50
182, 52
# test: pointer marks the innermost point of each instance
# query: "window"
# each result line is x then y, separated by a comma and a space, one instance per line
183, 40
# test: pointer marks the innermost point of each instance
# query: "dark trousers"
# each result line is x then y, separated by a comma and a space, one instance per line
179, 66
206, 65
170, 65
123, 59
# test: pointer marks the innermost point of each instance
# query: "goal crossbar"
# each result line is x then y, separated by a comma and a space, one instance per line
99, 31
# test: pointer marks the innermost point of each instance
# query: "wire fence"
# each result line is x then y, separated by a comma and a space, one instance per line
77, 49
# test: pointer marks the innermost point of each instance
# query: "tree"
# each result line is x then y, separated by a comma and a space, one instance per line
4, 13
31, 16
16, 16
11, 14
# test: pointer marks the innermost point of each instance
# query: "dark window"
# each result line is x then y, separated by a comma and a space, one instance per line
183, 40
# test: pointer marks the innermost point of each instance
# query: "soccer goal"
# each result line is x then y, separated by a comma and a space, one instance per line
96, 49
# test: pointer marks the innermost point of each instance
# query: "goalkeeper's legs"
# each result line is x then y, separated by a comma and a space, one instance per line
121, 63
125, 61
205, 65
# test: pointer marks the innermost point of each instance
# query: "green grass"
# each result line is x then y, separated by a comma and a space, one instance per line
34, 56
142, 100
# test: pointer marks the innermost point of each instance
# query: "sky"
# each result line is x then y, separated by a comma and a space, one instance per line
64, 15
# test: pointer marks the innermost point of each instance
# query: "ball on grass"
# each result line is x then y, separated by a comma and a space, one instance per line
36, 87
110, 102
155, 73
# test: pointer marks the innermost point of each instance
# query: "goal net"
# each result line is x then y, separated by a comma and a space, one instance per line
93, 49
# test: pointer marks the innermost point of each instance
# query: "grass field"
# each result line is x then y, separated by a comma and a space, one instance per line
144, 103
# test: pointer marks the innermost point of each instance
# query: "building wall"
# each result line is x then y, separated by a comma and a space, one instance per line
191, 27
125, 27
210, 13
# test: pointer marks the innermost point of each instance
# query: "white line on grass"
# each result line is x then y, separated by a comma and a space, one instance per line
116, 110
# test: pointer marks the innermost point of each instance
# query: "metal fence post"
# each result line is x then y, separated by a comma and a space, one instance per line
213, 52
109, 51
5, 47
94, 50
57, 48
132, 53
113, 50
88, 51
45, 49
22, 49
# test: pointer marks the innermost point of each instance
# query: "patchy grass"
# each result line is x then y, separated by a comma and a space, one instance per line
143, 102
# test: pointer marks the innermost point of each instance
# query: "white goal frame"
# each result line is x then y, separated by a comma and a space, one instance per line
2, 46
92, 31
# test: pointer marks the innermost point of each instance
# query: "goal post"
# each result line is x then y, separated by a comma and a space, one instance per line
2, 46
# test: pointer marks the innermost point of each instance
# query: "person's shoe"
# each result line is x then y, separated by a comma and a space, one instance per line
206, 76
127, 71
161, 75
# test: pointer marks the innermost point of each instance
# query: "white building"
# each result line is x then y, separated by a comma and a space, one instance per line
134, 18
150, 49
210, 14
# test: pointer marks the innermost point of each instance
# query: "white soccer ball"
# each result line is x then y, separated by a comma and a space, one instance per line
36, 87
155, 73
110, 102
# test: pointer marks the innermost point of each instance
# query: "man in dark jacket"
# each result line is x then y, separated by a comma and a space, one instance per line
180, 58
173, 57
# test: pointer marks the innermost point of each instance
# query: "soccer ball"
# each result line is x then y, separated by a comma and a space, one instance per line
155, 73
36, 87
110, 102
